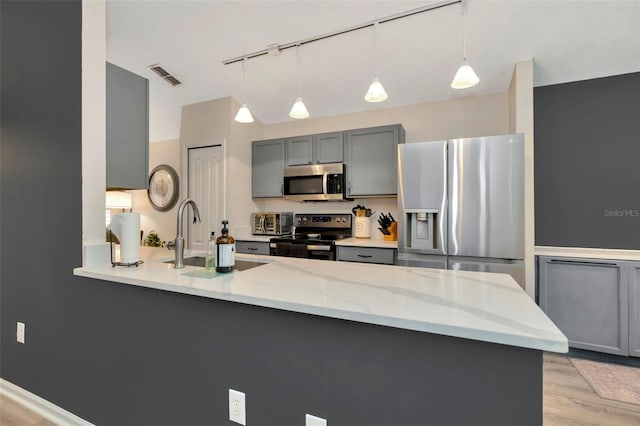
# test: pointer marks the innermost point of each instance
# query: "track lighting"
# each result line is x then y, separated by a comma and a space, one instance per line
465, 76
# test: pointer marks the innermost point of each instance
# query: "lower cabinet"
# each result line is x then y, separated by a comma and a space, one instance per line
594, 302
634, 309
385, 256
252, 247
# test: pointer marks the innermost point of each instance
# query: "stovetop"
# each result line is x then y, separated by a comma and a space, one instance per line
318, 229
305, 239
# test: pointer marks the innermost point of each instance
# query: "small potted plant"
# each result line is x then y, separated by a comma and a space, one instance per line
153, 240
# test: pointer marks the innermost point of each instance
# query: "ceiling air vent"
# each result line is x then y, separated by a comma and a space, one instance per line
156, 68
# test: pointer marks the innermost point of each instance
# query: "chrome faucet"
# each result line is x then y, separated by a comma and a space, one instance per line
177, 245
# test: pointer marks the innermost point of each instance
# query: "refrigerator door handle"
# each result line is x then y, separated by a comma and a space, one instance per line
454, 198
443, 219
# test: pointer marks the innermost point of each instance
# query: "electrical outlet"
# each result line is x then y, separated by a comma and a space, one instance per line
310, 420
237, 409
20, 332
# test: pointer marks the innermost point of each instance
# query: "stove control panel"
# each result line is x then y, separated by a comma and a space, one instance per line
341, 220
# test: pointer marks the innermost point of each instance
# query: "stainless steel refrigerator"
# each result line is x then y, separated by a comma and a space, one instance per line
461, 203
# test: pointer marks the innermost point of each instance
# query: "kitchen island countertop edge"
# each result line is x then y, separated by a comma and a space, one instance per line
472, 305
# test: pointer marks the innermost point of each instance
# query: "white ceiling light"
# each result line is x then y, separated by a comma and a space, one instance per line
465, 76
299, 109
376, 92
244, 115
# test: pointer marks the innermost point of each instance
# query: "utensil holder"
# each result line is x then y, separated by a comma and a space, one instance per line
363, 227
393, 232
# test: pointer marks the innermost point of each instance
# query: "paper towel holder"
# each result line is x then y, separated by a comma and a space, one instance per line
113, 262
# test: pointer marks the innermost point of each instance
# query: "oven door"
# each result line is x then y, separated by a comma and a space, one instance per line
320, 251
288, 249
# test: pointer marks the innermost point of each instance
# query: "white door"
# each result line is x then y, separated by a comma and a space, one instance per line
205, 187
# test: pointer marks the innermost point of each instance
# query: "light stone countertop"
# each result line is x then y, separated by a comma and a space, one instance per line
473, 305
367, 242
588, 253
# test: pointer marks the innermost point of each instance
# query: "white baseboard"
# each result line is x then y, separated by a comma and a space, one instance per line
40, 406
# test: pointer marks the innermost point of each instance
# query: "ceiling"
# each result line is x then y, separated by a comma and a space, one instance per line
417, 56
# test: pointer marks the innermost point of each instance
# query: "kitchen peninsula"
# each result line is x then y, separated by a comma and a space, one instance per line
398, 345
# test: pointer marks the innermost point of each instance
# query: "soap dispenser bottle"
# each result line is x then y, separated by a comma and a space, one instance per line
226, 250
210, 259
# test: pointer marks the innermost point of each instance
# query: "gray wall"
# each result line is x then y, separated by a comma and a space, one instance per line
121, 355
587, 163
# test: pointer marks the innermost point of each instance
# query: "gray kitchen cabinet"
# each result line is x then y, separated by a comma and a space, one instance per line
252, 247
634, 309
299, 151
127, 129
267, 166
371, 160
315, 149
587, 299
385, 256
329, 148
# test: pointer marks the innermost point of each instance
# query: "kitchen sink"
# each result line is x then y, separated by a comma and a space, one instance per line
241, 265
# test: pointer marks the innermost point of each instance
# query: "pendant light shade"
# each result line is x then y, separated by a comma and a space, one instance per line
244, 115
299, 109
465, 77
376, 92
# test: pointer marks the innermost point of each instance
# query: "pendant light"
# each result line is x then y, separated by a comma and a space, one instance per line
376, 92
244, 115
465, 76
299, 109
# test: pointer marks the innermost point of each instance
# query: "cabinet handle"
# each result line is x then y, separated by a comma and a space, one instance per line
581, 262
310, 162
366, 256
282, 189
252, 248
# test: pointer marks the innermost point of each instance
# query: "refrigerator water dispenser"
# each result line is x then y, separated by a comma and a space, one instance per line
421, 230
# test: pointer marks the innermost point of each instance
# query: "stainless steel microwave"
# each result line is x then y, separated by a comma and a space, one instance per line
318, 182
267, 223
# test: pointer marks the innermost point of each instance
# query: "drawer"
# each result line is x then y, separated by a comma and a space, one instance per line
252, 247
367, 254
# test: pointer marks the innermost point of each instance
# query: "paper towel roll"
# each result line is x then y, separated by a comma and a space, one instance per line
126, 226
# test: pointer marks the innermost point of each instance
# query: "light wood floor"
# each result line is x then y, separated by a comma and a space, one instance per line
568, 400
13, 414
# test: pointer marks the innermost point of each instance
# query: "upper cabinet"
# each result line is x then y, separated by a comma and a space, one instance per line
299, 150
127, 119
315, 149
371, 157
267, 166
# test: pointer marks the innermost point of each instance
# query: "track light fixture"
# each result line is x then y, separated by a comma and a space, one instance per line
465, 76
244, 115
299, 109
376, 92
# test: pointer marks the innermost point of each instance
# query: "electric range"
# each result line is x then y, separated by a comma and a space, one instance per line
314, 236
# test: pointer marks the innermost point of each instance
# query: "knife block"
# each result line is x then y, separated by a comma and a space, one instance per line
393, 230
